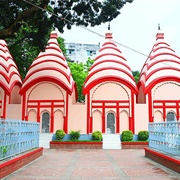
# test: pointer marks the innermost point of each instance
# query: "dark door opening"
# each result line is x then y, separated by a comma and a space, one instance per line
45, 122
110, 123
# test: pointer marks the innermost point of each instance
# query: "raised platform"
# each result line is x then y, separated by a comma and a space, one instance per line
134, 145
75, 145
164, 159
16, 163
94, 145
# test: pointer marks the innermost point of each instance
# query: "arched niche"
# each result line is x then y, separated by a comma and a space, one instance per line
124, 121
141, 98
15, 97
46, 90
32, 115
97, 120
167, 91
171, 116
58, 120
158, 116
110, 91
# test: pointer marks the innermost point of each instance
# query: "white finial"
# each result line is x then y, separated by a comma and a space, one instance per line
159, 28
109, 26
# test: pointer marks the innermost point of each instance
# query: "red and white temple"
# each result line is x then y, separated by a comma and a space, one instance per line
113, 101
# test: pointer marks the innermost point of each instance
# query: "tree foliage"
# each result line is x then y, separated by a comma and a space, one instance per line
79, 73
42, 15
136, 75
23, 52
62, 46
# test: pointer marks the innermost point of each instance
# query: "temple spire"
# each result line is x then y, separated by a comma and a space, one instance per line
159, 35
108, 34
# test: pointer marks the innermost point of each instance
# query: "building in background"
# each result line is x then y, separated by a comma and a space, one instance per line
77, 52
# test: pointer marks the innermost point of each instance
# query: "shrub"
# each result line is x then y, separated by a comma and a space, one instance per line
127, 136
97, 135
60, 134
143, 135
75, 135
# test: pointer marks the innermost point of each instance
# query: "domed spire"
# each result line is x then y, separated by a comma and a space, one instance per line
9, 74
109, 65
50, 65
162, 64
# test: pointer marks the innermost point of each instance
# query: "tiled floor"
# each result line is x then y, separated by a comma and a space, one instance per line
93, 164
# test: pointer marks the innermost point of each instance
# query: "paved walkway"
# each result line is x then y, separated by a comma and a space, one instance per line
93, 164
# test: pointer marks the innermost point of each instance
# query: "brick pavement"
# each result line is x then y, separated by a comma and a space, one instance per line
129, 164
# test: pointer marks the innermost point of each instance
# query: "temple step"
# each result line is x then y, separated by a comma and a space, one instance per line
44, 139
111, 141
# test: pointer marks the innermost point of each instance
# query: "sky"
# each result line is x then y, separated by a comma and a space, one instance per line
136, 28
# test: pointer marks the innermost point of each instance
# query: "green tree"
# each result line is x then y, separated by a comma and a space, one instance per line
88, 64
62, 45
79, 72
136, 75
23, 52
79, 75
42, 15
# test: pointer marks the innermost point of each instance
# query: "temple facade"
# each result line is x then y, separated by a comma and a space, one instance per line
113, 100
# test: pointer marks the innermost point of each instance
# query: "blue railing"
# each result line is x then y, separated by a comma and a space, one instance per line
165, 137
17, 137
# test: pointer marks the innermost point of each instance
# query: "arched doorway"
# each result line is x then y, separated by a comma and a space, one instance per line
110, 123
170, 116
45, 122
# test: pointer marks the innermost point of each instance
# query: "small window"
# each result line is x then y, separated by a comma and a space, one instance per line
67, 51
71, 52
171, 116
88, 53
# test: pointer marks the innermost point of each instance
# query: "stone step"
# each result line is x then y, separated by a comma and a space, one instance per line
44, 139
111, 141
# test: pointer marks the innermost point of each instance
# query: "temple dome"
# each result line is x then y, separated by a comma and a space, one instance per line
9, 74
50, 65
162, 64
109, 65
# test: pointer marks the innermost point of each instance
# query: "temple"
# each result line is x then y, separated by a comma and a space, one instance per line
113, 100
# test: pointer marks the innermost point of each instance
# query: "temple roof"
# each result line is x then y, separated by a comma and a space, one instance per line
9, 74
109, 65
162, 64
50, 65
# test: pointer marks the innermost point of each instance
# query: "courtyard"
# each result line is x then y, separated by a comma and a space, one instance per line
57, 164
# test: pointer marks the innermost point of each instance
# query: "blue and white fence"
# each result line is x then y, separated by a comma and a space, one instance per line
165, 137
17, 137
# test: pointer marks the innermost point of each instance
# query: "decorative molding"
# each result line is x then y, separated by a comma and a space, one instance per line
109, 82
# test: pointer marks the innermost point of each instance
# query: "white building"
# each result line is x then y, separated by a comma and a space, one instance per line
77, 52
